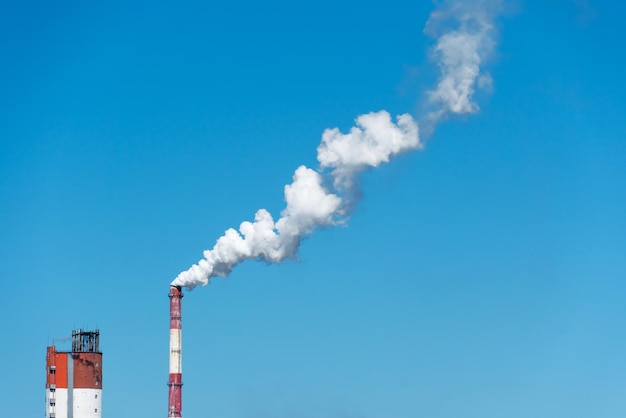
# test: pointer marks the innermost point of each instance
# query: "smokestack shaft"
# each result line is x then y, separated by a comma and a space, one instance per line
176, 359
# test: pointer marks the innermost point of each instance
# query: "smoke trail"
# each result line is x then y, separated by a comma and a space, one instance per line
465, 39
374, 140
309, 204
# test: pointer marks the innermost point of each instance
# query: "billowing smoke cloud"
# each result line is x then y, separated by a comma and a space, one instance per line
309, 206
374, 140
323, 197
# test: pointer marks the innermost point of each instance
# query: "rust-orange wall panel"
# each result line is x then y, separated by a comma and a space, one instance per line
60, 377
88, 370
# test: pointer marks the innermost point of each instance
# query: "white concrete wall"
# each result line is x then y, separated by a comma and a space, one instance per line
87, 403
60, 408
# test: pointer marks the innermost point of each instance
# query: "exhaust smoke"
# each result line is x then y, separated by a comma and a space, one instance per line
464, 33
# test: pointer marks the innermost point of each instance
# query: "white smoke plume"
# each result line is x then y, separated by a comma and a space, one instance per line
309, 204
465, 34
374, 140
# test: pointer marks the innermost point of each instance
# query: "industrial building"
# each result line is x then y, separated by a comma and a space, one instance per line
74, 378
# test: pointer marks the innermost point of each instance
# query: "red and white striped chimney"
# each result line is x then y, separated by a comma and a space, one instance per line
175, 402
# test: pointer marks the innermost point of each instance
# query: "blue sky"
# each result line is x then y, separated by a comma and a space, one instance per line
480, 277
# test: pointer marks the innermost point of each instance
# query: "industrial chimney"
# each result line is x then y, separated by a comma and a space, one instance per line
74, 378
175, 403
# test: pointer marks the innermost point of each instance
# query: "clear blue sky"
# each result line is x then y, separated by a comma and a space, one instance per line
482, 277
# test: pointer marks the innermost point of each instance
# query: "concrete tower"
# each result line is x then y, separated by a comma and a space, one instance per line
74, 378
